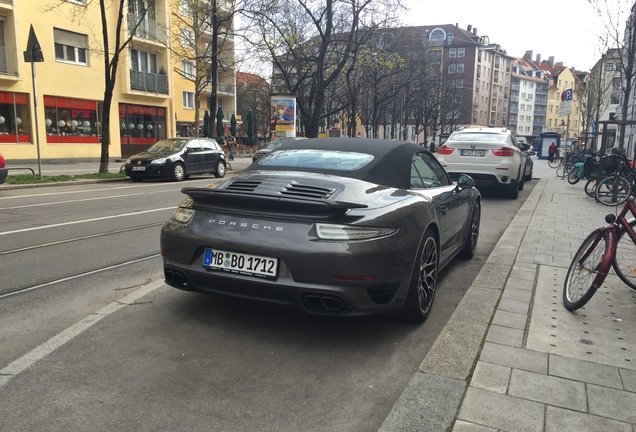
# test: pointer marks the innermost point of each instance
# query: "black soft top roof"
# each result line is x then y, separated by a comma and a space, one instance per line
391, 164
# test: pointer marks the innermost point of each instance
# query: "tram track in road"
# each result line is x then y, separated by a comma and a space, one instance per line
75, 239
22, 290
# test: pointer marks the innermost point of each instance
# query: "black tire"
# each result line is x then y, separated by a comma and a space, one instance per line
625, 259
573, 175
529, 176
468, 250
613, 192
590, 187
178, 172
419, 299
522, 179
220, 170
512, 192
136, 179
579, 286
555, 163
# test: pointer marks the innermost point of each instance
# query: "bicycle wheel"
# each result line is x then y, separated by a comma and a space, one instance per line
625, 259
590, 187
583, 278
613, 191
554, 163
563, 170
573, 175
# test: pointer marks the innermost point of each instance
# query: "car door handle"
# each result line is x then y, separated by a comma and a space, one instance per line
443, 209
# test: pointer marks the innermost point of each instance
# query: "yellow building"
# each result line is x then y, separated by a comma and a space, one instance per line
562, 79
146, 104
190, 58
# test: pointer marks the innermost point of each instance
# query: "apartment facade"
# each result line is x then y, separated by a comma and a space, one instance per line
70, 81
186, 64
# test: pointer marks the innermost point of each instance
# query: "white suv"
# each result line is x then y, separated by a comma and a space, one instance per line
492, 157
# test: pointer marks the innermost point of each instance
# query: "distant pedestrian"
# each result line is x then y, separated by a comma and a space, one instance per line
231, 142
552, 151
431, 146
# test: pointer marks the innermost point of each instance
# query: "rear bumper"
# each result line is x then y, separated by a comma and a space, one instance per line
3, 175
487, 180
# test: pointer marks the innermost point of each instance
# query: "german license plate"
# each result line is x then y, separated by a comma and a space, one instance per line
473, 153
245, 264
139, 168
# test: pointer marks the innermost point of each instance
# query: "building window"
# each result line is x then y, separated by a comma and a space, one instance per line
70, 120
143, 61
185, 8
437, 35
70, 47
459, 83
452, 53
451, 68
187, 38
140, 125
188, 99
460, 68
609, 67
187, 69
614, 99
461, 52
616, 82
14, 118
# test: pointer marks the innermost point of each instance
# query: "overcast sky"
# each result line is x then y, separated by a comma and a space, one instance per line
569, 30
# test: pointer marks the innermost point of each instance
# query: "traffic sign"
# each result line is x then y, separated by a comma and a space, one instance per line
33, 51
566, 95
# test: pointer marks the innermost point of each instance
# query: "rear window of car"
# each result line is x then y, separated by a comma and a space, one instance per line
319, 159
479, 137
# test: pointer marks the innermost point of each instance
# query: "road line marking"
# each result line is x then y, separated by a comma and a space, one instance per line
38, 353
86, 220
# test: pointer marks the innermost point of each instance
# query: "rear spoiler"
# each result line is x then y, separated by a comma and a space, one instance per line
222, 200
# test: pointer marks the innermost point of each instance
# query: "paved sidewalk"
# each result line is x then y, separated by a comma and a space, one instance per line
512, 358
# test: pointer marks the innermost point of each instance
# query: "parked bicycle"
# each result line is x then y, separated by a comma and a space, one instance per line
571, 158
616, 188
612, 246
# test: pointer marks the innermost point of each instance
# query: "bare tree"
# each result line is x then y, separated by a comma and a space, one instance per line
200, 31
252, 93
310, 45
614, 18
112, 43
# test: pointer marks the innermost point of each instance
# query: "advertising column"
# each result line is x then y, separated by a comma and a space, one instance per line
283, 115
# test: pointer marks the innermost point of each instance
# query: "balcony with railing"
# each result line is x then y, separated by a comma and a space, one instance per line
8, 61
146, 29
514, 86
514, 109
541, 91
539, 111
149, 82
514, 98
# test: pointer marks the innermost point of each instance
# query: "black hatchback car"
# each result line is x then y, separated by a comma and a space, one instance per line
177, 159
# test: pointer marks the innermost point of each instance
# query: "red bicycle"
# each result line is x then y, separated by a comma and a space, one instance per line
613, 245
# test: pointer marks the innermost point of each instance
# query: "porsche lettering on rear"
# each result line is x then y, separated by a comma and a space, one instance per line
246, 225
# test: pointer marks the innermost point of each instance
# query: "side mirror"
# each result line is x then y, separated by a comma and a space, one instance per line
465, 182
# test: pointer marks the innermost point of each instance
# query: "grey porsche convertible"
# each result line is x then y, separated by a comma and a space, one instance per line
335, 226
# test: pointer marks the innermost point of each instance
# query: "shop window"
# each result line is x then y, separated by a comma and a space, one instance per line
70, 120
70, 47
140, 125
14, 118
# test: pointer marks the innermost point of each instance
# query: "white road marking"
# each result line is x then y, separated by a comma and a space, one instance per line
86, 220
43, 350
80, 200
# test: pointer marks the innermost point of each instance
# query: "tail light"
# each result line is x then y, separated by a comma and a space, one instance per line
504, 152
1, 161
443, 150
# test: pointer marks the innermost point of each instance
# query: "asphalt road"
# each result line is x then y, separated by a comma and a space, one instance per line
92, 338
